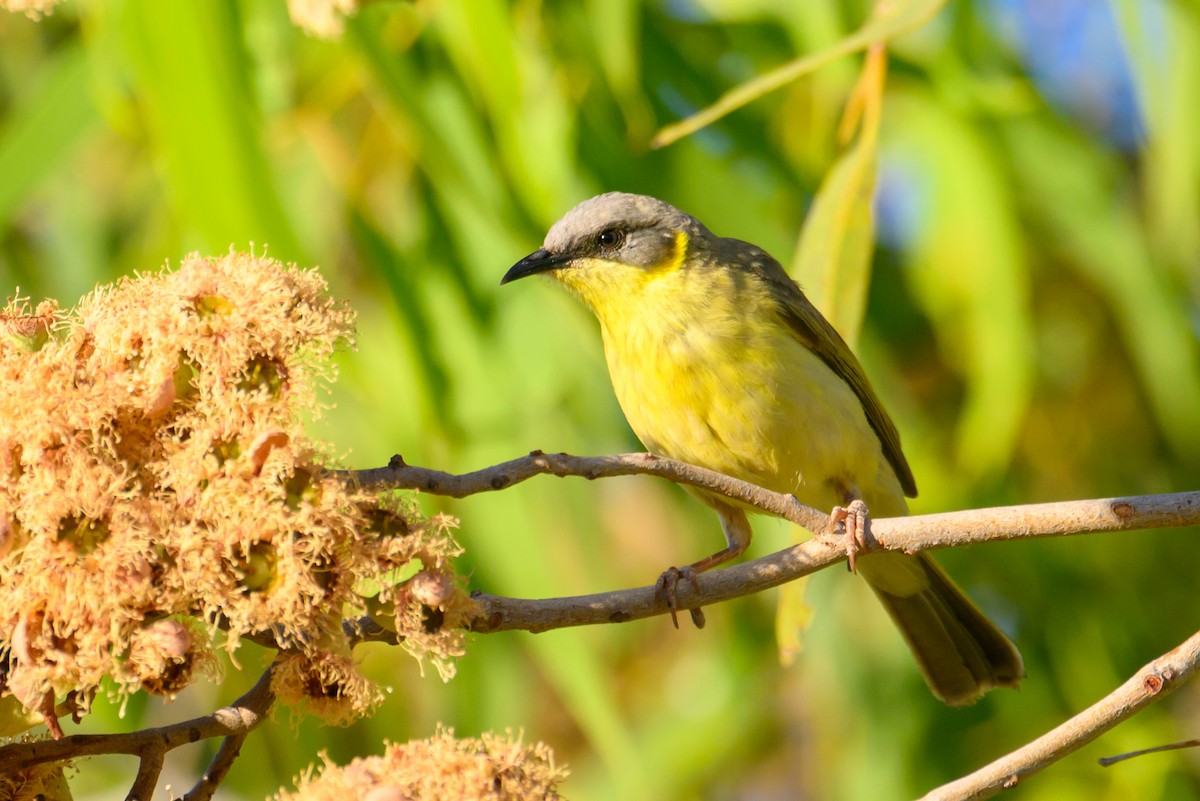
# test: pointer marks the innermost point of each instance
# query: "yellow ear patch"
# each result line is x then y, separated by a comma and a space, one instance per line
678, 254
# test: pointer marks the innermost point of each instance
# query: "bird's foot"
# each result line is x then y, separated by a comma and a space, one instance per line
665, 588
848, 524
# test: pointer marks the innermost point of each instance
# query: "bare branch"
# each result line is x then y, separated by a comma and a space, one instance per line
231, 746
1151, 683
1157, 749
244, 715
903, 533
490, 479
149, 769
917, 533
498, 613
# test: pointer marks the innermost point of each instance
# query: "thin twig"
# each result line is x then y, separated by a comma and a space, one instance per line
1151, 683
1157, 749
231, 746
149, 768
499, 613
912, 533
491, 479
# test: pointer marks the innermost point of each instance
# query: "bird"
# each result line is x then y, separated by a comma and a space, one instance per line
718, 359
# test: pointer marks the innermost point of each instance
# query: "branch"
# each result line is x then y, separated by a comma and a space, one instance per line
490, 479
940, 530
149, 768
916, 533
904, 534
1151, 683
500, 614
909, 534
1157, 749
149, 745
231, 746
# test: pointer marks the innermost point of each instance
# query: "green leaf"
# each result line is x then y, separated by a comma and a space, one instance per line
969, 273
793, 616
890, 20
1107, 244
203, 120
833, 257
1168, 81
42, 130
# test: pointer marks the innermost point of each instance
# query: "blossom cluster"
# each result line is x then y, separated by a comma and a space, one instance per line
487, 768
159, 498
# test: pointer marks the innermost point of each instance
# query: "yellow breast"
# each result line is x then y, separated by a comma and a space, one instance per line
707, 372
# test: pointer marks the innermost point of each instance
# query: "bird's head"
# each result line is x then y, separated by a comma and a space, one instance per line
610, 247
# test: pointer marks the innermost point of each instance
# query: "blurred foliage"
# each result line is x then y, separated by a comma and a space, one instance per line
1031, 323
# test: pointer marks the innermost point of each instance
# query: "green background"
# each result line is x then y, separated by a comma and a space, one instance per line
1031, 324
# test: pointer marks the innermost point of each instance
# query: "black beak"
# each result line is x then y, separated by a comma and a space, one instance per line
539, 261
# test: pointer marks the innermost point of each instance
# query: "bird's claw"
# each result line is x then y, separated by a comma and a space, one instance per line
849, 524
664, 588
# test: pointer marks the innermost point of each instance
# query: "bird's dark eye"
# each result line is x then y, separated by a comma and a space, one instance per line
610, 238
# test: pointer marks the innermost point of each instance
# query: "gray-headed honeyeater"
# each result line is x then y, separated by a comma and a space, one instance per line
718, 359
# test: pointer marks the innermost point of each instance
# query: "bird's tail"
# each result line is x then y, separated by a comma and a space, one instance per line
961, 653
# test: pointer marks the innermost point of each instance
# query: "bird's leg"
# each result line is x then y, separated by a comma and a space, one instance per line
850, 523
737, 535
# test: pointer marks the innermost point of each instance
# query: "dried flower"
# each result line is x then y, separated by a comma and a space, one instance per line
488, 768
156, 485
322, 18
326, 684
34, 9
45, 782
